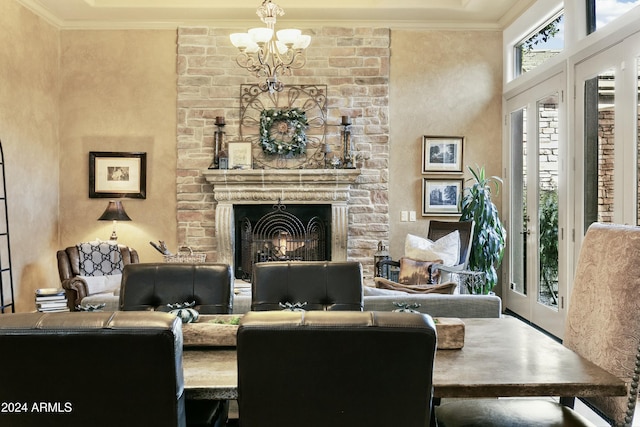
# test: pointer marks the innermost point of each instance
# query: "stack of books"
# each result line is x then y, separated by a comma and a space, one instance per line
51, 299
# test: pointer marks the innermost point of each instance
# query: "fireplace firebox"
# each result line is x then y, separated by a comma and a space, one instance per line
280, 232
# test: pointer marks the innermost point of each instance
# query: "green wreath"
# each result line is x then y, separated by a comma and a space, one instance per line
283, 131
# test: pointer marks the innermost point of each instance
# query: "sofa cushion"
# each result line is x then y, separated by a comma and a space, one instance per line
444, 288
446, 249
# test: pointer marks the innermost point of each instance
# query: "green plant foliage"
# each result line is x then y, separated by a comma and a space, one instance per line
542, 36
489, 235
549, 238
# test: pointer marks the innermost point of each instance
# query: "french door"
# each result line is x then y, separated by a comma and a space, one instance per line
537, 157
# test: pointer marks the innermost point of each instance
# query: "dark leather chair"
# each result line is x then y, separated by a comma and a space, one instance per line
313, 285
152, 286
339, 369
131, 365
69, 268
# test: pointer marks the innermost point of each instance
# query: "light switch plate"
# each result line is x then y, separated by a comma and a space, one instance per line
412, 216
404, 216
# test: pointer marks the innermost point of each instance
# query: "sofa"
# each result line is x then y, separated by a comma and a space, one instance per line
436, 305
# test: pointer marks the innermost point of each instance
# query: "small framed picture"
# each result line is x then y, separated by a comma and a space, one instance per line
117, 175
240, 155
442, 153
441, 196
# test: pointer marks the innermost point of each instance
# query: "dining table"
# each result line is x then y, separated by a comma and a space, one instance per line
501, 357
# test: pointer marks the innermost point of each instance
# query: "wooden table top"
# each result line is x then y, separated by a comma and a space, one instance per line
501, 357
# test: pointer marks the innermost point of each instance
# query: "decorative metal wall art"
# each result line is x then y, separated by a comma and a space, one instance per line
306, 106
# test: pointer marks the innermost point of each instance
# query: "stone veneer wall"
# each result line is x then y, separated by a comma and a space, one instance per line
352, 62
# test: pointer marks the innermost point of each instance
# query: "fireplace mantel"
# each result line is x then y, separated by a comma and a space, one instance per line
260, 186
288, 185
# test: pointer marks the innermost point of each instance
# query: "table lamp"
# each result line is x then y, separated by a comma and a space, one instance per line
114, 212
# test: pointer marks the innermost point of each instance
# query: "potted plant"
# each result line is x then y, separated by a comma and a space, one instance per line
489, 235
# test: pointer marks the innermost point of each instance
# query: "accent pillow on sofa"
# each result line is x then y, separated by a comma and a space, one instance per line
414, 272
445, 288
446, 248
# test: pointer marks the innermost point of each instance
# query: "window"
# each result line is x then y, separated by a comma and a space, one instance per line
544, 43
601, 12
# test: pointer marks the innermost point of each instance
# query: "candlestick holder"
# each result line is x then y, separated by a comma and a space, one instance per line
218, 142
347, 149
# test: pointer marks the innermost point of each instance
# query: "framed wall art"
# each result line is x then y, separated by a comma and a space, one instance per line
240, 155
117, 175
442, 153
441, 196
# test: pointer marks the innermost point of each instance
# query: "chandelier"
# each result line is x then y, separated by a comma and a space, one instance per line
267, 53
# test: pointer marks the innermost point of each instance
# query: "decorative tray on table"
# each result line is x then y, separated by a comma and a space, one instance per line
219, 330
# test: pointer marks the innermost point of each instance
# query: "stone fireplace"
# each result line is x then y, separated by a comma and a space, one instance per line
288, 186
353, 64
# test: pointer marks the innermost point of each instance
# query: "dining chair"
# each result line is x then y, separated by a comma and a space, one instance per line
307, 285
335, 368
601, 326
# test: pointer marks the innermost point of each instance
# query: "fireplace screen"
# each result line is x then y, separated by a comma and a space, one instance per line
282, 234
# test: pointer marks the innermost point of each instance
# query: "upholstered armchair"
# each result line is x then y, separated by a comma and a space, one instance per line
335, 368
71, 277
309, 285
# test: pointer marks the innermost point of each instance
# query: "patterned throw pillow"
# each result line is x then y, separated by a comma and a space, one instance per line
446, 248
100, 258
413, 272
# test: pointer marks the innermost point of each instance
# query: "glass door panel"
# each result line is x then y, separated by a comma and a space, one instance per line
548, 170
599, 132
518, 247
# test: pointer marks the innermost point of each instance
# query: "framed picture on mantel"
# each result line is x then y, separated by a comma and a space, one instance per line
117, 175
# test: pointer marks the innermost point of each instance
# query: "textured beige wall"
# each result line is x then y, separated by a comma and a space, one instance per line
442, 83
118, 94
28, 131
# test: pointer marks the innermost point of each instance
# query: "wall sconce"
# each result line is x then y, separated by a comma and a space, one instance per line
114, 212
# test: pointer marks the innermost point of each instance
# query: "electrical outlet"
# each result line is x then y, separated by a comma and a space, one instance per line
404, 216
412, 216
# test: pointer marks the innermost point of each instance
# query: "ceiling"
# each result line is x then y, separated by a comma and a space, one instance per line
472, 14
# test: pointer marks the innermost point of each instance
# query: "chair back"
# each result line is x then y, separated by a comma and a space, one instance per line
152, 286
69, 260
438, 229
601, 324
313, 285
342, 369
131, 364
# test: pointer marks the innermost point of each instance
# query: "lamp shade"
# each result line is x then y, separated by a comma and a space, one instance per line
114, 212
